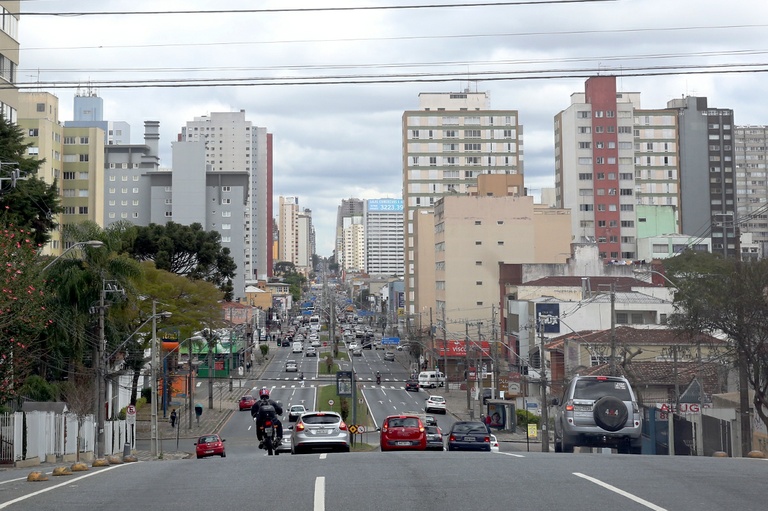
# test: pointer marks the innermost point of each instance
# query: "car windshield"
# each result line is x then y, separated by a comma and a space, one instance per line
469, 427
208, 439
432, 430
319, 419
595, 389
404, 422
297, 408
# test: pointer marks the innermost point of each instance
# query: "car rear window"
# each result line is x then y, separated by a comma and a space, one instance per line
208, 439
432, 430
595, 389
404, 422
319, 419
470, 427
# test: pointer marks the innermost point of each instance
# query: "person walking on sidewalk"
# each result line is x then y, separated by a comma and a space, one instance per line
173, 418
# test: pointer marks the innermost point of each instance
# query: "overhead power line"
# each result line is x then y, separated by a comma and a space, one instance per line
313, 9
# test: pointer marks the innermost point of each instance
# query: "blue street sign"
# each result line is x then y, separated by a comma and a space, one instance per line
390, 340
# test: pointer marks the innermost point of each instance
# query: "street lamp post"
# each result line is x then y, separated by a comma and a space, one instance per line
90, 243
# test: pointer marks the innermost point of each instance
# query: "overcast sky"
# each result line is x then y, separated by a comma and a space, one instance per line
336, 138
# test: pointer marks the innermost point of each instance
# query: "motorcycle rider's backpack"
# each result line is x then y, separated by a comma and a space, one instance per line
266, 411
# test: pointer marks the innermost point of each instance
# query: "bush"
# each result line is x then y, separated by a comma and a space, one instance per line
524, 417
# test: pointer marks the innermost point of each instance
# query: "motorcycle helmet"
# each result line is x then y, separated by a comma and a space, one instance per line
264, 393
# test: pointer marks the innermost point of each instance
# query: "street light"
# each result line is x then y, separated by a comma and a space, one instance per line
90, 243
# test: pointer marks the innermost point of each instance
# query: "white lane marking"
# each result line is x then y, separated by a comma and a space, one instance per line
18, 479
319, 504
323, 455
44, 490
511, 454
623, 493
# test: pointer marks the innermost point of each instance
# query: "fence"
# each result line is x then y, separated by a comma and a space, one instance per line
42, 435
714, 428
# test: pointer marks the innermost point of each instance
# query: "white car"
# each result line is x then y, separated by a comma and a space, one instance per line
291, 366
435, 403
353, 346
494, 444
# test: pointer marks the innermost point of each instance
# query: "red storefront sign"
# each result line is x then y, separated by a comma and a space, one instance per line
457, 348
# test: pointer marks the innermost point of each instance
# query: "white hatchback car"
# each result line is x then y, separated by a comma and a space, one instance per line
435, 403
494, 444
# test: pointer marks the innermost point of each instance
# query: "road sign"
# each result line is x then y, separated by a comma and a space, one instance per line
352, 429
130, 414
390, 340
330, 402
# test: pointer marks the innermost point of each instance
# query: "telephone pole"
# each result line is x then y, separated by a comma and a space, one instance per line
544, 404
466, 369
612, 363
445, 353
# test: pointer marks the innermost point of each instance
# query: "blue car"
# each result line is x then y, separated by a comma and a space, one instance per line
469, 436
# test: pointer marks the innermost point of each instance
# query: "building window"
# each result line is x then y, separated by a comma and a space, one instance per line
83, 157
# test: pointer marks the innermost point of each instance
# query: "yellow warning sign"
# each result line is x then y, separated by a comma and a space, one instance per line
532, 431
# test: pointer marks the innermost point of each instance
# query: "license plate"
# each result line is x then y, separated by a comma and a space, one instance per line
209, 452
403, 443
469, 439
268, 431
322, 431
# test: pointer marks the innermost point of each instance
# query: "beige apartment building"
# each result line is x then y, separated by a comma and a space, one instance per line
474, 234
9, 59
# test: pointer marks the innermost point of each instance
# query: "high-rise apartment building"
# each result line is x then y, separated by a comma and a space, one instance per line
707, 185
305, 236
450, 140
9, 59
384, 237
89, 113
349, 212
613, 160
234, 144
751, 154
354, 248
288, 221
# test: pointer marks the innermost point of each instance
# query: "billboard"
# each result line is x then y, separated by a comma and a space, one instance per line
548, 318
394, 205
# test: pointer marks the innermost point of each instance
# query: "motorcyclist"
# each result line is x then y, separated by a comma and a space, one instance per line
264, 409
378, 377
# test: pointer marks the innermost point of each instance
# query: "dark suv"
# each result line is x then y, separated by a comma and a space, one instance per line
598, 411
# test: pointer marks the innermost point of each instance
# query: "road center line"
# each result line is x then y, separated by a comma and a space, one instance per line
319, 494
621, 492
512, 454
65, 483
323, 455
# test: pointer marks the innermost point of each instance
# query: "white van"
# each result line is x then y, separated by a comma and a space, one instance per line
431, 379
297, 347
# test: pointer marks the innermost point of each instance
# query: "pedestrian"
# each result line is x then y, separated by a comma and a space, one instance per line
173, 418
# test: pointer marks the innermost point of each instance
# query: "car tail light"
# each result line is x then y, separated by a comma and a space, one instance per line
601, 378
299, 426
487, 439
342, 426
569, 406
452, 438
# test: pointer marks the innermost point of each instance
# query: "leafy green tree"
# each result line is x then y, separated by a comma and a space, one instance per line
728, 296
27, 203
23, 317
186, 250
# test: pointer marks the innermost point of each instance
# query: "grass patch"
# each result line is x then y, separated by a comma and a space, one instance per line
328, 392
322, 367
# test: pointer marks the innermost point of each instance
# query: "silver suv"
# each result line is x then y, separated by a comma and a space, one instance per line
598, 411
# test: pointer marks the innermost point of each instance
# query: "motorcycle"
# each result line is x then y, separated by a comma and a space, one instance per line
378, 379
268, 437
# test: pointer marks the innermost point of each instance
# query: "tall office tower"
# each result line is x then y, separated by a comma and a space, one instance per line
384, 237
348, 213
89, 113
751, 154
9, 59
304, 241
707, 186
289, 226
233, 144
450, 140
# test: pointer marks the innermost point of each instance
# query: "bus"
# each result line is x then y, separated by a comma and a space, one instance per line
314, 323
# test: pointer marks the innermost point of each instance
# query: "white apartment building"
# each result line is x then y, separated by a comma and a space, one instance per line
751, 155
450, 140
354, 247
304, 241
233, 143
384, 237
288, 224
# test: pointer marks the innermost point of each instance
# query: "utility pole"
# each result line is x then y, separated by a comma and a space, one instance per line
98, 363
466, 369
612, 363
211, 364
190, 387
544, 404
445, 352
153, 385
494, 354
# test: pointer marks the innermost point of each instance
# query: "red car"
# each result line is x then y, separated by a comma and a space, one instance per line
246, 402
210, 445
400, 432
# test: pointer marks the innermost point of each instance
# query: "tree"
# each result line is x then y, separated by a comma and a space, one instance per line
186, 250
23, 317
29, 203
717, 295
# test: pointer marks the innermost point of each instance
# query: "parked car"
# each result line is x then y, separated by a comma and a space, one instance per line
469, 436
389, 356
435, 439
400, 432
291, 366
246, 402
598, 411
210, 445
435, 403
412, 385
494, 444
294, 412
320, 430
